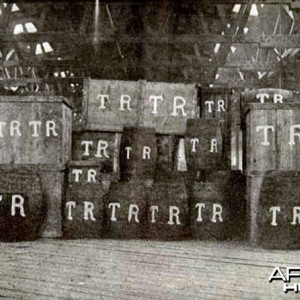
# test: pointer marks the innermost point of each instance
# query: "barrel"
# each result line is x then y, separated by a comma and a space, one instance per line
270, 139
274, 210
168, 209
218, 206
125, 210
138, 153
21, 205
204, 145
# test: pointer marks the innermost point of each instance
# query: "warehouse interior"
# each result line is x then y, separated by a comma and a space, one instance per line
216, 47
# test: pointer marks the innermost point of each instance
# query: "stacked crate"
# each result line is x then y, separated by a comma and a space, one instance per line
94, 165
35, 139
271, 124
167, 198
149, 199
217, 203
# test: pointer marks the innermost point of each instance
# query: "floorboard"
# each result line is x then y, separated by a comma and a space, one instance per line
115, 269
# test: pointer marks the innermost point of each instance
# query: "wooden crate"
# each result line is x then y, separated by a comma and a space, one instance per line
268, 95
99, 147
125, 210
83, 210
169, 117
218, 104
22, 205
168, 209
112, 105
218, 206
275, 147
35, 130
204, 145
91, 171
273, 209
138, 153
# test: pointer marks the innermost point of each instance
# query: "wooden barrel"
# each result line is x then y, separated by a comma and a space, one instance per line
138, 153
204, 145
274, 210
218, 206
125, 210
22, 209
168, 209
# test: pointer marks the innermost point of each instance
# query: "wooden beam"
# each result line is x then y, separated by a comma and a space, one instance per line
266, 41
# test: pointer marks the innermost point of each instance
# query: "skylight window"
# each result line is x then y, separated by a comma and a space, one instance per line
217, 47
236, 8
18, 29
38, 49
254, 11
30, 27
15, 7
47, 47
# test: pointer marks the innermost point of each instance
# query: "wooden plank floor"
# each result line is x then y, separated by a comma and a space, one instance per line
113, 269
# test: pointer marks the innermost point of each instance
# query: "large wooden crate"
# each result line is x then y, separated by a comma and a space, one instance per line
274, 209
105, 105
35, 130
271, 137
112, 105
218, 206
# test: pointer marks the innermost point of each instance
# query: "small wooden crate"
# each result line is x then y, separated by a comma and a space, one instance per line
204, 145
125, 210
218, 206
138, 153
99, 147
168, 209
